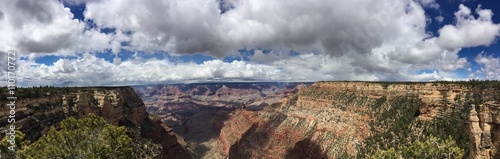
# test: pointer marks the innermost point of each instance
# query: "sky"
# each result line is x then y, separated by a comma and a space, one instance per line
134, 42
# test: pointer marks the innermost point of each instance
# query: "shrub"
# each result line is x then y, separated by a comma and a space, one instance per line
90, 137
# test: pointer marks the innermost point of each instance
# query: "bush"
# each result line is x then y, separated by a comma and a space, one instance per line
5, 152
387, 154
90, 137
432, 148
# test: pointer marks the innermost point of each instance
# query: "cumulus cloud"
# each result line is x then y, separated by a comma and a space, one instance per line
468, 30
91, 70
32, 26
197, 26
441, 52
490, 66
381, 40
189, 26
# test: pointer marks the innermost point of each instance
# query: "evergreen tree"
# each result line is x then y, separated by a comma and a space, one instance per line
432, 148
90, 137
5, 152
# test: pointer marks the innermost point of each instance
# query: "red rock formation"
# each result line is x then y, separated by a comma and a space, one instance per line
331, 118
233, 129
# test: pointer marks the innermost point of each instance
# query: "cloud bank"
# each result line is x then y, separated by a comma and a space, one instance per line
334, 40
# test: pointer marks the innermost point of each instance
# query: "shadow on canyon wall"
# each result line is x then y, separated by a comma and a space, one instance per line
306, 149
256, 140
249, 143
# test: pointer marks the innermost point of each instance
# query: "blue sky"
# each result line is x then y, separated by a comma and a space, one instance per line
90, 42
448, 7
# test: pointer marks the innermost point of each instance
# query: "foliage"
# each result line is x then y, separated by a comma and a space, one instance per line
19, 144
145, 149
391, 124
73, 138
44, 91
90, 137
396, 126
450, 125
386, 154
379, 102
432, 148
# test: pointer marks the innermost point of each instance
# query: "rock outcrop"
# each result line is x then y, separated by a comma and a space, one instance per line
484, 130
340, 119
197, 111
324, 120
119, 106
169, 100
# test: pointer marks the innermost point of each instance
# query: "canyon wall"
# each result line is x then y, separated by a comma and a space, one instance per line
324, 120
196, 111
354, 119
37, 109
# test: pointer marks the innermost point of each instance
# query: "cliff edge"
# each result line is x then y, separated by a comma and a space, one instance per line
37, 109
355, 119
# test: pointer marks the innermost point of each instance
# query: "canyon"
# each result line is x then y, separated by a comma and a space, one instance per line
334, 119
196, 112
277, 120
354, 119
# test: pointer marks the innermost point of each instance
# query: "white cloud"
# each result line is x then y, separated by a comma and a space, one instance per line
469, 31
490, 66
439, 19
188, 26
196, 26
90, 70
32, 26
429, 3
77, 2
381, 40
290, 25
441, 52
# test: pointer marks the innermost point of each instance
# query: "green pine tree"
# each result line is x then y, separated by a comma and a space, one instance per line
89, 137
5, 152
432, 148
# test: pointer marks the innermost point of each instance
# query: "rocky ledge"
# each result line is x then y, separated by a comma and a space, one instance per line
355, 119
37, 109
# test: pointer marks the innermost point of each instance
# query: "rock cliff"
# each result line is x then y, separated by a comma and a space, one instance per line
324, 120
37, 109
354, 119
196, 111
